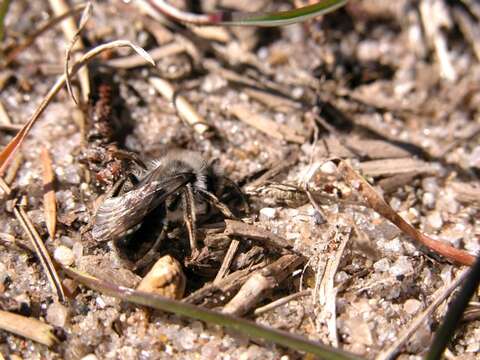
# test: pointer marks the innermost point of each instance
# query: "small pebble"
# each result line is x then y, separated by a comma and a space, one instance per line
64, 255
381, 265
435, 220
328, 168
401, 267
89, 357
428, 199
57, 314
412, 306
268, 213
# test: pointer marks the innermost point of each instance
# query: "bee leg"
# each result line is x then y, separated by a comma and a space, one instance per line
213, 200
152, 253
246, 206
189, 216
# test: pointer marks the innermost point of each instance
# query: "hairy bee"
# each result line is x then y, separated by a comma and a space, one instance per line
180, 180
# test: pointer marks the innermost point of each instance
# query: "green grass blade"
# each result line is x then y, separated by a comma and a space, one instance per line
243, 326
284, 17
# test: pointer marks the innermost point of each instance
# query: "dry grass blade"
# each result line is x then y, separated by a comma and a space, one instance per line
41, 251
27, 327
265, 125
129, 62
87, 13
4, 186
328, 293
12, 55
4, 118
70, 31
8, 152
438, 297
377, 203
49, 199
184, 108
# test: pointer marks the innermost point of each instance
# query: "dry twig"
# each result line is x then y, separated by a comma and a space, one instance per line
256, 287
377, 203
232, 249
27, 327
266, 238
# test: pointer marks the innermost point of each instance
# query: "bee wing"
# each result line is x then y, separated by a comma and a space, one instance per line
119, 214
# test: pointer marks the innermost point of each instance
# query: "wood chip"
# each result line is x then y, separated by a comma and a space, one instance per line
49, 199
27, 327
265, 125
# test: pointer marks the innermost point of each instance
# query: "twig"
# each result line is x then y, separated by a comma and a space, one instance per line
184, 108
438, 297
377, 203
267, 238
27, 327
41, 251
212, 294
256, 287
274, 304
49, 199
232, 249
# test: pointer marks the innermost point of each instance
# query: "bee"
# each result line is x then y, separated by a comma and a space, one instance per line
181, 180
